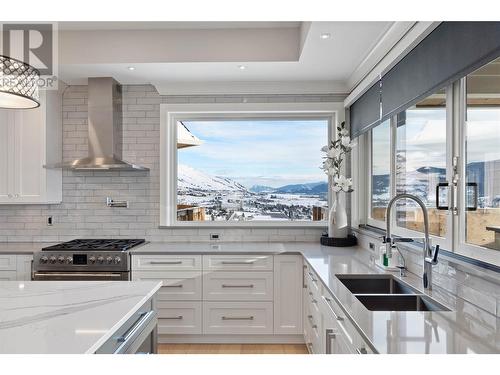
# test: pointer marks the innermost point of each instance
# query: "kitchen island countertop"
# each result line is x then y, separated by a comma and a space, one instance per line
62, 317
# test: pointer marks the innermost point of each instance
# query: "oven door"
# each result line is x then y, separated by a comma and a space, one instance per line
80, 276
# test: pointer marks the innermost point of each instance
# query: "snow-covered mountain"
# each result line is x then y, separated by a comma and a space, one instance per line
261, 189
189, 178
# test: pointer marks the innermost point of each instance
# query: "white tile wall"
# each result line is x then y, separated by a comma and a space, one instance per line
83, 212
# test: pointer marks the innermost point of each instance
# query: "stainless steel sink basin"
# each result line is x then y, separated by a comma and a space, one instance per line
375, 284
400, 303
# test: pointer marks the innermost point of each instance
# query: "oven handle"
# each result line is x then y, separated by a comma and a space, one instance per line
77, 274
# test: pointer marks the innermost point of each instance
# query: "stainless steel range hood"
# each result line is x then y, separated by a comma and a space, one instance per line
105, 137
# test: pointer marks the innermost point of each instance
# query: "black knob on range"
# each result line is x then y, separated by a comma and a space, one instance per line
52, 259
44, 260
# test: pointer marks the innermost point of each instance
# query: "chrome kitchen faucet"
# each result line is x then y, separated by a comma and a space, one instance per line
430, 257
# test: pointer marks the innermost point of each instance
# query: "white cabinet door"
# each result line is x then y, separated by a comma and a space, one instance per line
29, 139
29, 156
23, 267
288, 286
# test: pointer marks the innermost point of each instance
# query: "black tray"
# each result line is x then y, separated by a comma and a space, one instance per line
350, 240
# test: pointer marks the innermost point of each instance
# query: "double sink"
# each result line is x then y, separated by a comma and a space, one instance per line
386, 293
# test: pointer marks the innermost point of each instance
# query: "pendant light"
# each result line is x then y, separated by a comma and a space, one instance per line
18, 84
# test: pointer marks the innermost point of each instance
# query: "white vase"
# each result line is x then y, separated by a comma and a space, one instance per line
337, 217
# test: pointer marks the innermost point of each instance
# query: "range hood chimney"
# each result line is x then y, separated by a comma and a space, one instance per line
105, 136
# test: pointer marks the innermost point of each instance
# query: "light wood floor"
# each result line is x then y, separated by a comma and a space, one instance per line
232, 349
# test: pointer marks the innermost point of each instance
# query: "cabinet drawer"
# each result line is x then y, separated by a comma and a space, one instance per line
238, 286
341, 325
7, 262
179, 318
166, 262
237, 318
313, 331
177, 285
238, 262
313, 282
8, 275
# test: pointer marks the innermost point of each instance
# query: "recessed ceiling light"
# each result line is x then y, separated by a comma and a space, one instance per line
242, 67
325, 36
131, 68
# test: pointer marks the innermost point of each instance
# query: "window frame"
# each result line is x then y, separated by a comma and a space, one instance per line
170, 114
455, 239
444, 242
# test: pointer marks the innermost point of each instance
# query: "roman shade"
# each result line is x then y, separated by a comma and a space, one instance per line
364, 113
450, 52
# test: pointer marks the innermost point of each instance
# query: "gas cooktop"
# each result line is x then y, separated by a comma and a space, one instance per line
96, 245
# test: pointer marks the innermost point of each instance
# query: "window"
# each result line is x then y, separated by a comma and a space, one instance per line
421, 162
482, 157
244, 168
380, 170
460, 155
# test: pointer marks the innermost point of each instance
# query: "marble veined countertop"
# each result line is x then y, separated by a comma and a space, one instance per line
66, 316
464, 329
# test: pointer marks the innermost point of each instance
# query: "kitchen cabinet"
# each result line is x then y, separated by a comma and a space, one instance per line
15, 267
288, 283
29, 139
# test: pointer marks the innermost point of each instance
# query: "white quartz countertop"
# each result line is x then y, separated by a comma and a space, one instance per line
66, 316
464, 329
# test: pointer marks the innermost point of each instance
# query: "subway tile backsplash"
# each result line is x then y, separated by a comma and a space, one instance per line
83, 212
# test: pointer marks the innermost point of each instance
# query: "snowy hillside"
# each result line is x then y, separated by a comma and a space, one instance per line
191, 179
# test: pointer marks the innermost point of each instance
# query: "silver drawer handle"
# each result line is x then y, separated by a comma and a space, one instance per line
237, 286
310, 317
180, 317
312, 277
329, 301
330, 335
239, 262
173, 286
237, 318
142, 318
166, 262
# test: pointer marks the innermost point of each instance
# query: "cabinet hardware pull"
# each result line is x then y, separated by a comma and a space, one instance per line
237, 318
312, 277
238, 262
237, 286
304, 267
166, 262
173, 286
329, 301
180, 317
330, 335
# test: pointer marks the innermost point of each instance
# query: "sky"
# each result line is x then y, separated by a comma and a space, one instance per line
424, 138
264, 152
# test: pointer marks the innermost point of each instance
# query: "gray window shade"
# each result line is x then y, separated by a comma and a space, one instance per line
364, 113
450, 52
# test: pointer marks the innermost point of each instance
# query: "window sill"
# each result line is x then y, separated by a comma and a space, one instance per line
249, 225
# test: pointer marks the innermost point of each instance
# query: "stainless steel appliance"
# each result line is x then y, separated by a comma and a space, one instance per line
85, 259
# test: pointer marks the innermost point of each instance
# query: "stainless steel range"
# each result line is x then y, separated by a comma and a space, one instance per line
87, 259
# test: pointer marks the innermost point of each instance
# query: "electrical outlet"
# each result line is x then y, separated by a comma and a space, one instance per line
49, 221
214, 236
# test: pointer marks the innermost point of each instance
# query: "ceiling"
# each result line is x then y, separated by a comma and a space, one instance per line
202, 57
